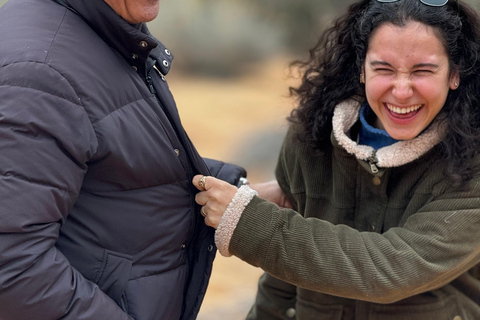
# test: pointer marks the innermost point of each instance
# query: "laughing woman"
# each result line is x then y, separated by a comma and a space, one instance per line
381, 167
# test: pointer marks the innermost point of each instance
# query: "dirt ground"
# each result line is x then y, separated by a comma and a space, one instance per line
235, 120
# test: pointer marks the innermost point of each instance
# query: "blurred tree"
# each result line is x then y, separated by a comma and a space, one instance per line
215, 38
300, 20
224, 38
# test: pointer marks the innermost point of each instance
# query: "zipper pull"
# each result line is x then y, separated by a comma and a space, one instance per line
372, 160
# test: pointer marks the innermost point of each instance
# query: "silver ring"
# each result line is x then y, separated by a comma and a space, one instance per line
203, 212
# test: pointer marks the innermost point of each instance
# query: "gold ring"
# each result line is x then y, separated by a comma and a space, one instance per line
203, 212
201, 182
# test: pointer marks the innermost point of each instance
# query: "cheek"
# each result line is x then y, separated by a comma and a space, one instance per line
435, 94
375, 88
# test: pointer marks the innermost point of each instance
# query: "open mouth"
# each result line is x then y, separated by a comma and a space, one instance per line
403, 110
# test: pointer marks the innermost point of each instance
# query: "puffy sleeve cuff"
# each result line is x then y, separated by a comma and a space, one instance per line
230, 218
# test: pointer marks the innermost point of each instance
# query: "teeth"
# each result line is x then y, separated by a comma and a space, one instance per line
403, 110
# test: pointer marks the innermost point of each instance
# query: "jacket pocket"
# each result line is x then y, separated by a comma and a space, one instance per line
307, 310
444, 309
114, 273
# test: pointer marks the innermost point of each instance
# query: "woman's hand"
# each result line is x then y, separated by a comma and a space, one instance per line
214, 197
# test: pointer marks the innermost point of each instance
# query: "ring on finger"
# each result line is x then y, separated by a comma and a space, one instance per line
204, 214
201, 182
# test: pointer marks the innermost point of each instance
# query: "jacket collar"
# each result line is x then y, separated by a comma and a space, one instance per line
400, 153
134, 42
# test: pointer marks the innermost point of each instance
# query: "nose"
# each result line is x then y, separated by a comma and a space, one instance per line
402, 87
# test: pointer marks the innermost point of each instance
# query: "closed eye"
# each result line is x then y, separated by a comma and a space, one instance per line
383, 71
423, 71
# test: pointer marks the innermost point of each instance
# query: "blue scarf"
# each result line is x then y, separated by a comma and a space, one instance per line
370, 136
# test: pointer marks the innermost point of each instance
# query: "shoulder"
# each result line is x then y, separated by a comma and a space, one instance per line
32, 27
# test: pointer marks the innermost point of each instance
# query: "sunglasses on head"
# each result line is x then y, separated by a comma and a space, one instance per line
433, 3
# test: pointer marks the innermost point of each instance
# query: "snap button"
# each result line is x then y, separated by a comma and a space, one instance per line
134, 68
376, 181
210, 248
167, 51
143, 44
177, 152
457, 318
134, 56
291, 313
165, 63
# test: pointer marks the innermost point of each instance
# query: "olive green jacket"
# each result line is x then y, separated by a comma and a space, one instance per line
398, 243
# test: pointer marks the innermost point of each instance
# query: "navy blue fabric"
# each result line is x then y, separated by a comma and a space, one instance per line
370, 136
97, 214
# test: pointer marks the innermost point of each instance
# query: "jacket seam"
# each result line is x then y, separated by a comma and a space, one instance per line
176, 182
51, 94
158, 273
23, 178
127, 104
76, 103
54, 37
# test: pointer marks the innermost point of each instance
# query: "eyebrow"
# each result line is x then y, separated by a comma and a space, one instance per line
419, 65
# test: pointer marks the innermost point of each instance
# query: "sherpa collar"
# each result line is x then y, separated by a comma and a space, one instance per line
346, 115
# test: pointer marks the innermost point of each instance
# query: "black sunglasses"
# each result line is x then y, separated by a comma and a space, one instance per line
433, 3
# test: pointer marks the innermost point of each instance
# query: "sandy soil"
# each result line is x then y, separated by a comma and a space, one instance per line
220, 115
228, 119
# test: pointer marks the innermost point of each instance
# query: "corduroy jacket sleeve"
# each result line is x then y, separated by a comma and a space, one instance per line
46, 140
432, 247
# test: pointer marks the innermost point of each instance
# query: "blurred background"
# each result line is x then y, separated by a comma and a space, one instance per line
230, 78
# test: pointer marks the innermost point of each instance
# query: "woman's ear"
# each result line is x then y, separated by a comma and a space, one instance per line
454, 81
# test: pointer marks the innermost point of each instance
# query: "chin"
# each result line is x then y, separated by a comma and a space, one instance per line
143, 15
403, 136
150, 13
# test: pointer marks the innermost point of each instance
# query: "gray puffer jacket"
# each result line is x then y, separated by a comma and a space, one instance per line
97, 212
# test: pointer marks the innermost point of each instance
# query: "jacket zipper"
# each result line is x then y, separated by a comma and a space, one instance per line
372, 160
189, 169
149, 80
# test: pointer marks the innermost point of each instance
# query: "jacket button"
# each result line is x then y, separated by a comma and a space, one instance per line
134, 68
457, 318
134, 56
376, 181
177, 152
143, 44
291, 313
183, 246
167, 52
210, 248
165, 63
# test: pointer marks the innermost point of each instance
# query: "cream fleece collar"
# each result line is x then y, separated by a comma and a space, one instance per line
346, 114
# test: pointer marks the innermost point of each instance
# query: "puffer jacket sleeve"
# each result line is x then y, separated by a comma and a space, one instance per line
433, 247
46, 139
228, 172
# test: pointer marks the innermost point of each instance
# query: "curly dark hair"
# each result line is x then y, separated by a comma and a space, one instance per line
331, 74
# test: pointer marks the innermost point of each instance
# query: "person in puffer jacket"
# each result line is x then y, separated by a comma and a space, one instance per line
382, 168
97, 214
